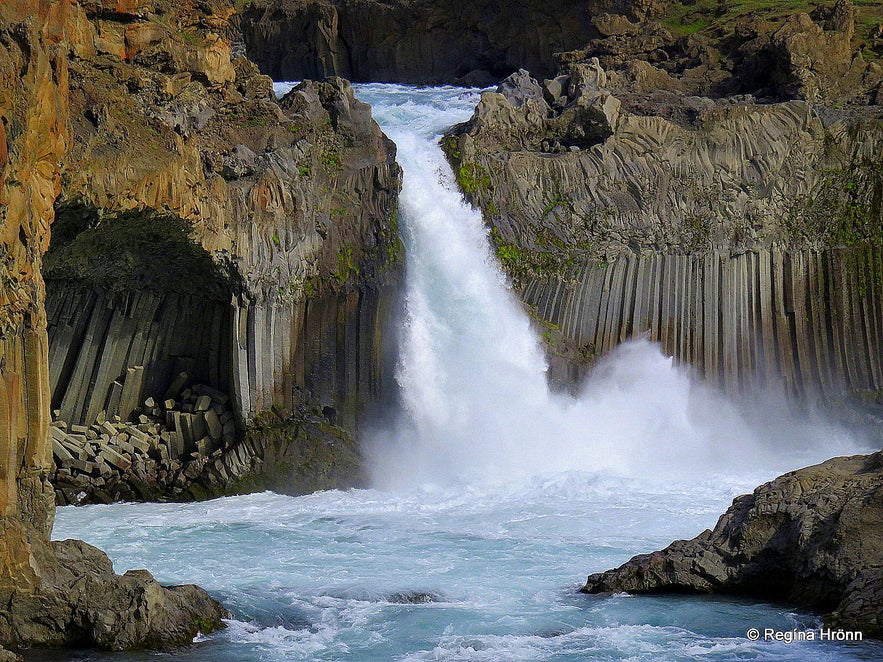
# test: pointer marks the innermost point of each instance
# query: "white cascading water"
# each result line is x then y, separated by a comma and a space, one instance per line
472, 558
472, 371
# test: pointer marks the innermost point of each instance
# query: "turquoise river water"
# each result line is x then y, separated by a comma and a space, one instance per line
493, 497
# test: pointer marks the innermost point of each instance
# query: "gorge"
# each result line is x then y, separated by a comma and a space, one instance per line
688, 226
470, 548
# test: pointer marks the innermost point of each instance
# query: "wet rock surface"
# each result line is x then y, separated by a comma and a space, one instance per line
189, 447
625, 198
813, 537
81, 602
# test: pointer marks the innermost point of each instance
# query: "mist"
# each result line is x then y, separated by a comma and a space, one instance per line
475, 403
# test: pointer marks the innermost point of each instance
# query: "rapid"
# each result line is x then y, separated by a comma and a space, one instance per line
492, 497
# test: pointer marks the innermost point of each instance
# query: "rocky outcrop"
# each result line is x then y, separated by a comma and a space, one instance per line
830, 54
406, 41
812, 537
205, 227
826, 53
53, 593
81, 602
743, 237
187, 447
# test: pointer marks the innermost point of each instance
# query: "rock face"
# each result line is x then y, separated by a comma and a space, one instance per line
823, 53
203, 227
743, 237
53, 593
188, 447
812, 537
411, 41
81, 602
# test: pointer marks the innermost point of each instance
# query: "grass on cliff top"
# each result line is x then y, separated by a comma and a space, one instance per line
129, 251
720, 16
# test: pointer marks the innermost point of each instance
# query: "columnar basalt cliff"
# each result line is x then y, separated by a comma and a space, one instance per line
58, 593
811, 537
745, 237
412, 41
207, 233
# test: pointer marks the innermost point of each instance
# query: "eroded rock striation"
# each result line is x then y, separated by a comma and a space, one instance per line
60, 593
812, 537
412, 41
743, 236
206, 228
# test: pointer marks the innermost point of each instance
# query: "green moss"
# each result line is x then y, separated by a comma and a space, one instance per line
192, 39
718, 18
346, 265
390, 241
332, 161
508, 254
127, 251
473, 179
451, 146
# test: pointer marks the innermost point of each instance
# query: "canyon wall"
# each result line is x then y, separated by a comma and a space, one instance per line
208, 234
59, 593
412, 41
743, 236
807, 324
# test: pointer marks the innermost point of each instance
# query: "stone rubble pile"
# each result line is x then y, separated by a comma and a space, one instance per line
158, 455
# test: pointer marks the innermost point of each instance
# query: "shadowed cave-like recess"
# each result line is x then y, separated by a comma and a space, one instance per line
145, 329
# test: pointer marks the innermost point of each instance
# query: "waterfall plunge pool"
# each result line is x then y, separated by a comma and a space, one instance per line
498, 497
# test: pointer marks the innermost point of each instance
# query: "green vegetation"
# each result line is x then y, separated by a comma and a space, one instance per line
332, 162
133, 250
452, 148
472, 179
509, 255
718, 17
192, 39
346, 265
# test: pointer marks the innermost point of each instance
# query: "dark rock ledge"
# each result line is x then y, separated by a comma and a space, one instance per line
69, 596
813, 537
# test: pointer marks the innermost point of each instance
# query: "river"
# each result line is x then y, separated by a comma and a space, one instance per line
493, 497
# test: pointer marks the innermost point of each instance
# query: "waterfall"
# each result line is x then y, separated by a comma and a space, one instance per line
475, 400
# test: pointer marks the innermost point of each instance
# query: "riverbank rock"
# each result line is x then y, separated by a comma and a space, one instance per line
813, 537
80, 602
188, 447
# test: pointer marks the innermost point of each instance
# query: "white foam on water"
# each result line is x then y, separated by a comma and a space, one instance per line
472, 373
504, 501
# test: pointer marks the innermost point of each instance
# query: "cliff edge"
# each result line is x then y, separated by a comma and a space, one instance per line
628, 195
222, 266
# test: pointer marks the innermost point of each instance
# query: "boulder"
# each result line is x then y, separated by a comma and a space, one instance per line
813, 537
519, 87
79, 601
